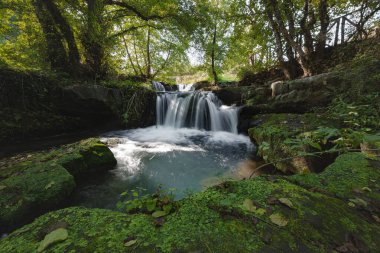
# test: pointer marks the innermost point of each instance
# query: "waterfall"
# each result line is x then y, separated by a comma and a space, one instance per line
194, 109
157, 86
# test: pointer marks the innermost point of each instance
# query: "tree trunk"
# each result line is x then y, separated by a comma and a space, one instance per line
325, 22
94, 40
280, 31
213, 67
55, 48
129, 55
137, 59
64, 27
149, 62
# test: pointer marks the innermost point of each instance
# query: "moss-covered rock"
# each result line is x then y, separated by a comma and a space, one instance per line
31, 190
274, 129
43, 181
351, 177
266, 214
86, 157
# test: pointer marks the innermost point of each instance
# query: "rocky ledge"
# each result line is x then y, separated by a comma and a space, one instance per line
33, 184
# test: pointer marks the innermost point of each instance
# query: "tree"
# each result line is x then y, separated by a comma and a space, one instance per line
57, 33
213, 33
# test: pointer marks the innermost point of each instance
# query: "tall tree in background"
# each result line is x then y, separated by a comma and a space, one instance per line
285, 15
96, 38
58, 34
213, 33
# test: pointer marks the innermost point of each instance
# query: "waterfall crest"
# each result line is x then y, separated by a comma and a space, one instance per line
194, 109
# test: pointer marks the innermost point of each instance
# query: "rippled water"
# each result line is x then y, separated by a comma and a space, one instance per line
184, 159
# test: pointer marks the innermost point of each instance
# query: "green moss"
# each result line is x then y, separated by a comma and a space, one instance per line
44, 180
32, 191
212, 221
348, 177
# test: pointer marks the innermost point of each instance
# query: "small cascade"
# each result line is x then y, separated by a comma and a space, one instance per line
157, 86
195, 109
185, 87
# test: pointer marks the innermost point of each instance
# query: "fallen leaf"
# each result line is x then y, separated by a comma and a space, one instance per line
279, 220
260, 211
249, 206
158, 214
49, 185
286, 202
358, 191
347, 247
359, 202
130, 243
57, 235
367, 189
376, 218
2, 187
350, 204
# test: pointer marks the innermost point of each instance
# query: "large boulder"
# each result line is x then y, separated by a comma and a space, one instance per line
30, 190
36, 183
86, 158
94, 102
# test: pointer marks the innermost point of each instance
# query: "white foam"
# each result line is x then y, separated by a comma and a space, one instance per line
135, 145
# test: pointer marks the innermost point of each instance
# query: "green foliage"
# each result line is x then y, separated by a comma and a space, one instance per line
22, 44
359, 123
362, 115
349, 174
159, 204
326, 139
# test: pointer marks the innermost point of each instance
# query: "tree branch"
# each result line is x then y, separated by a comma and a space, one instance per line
135, 10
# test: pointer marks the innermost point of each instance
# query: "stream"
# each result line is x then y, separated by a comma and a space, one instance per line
193, 145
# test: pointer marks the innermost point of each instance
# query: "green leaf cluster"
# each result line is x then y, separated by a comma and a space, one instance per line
159, 204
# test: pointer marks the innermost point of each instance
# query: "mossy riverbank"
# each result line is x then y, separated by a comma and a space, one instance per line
309, 213
39, 182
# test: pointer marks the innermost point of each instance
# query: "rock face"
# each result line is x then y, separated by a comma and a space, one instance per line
132, 107
37, 106
230, 95
44, 181
301, 95
265, 214
93, 102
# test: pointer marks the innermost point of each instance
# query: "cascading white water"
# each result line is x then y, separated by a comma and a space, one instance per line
177, 154
157, 86
185, 87
198, 109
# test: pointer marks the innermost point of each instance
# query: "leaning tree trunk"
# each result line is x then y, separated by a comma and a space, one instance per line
149, 60
279, 44
213, 64
307, 23
281, 31
56, 52
325, 22
94, 40
64, 27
